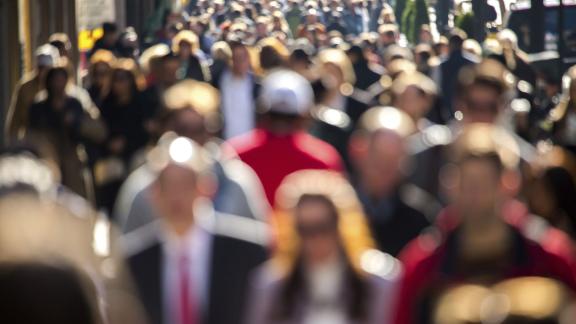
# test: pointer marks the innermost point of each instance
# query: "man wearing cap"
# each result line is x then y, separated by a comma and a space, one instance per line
281, 145
192, 265
481, 245
397, 211
25, 92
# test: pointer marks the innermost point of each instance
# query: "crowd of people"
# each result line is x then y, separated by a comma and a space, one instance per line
290, 161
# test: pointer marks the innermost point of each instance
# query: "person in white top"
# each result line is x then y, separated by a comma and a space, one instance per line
237, 89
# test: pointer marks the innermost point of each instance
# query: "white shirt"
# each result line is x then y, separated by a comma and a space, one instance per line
237, 104
325, 306
197, 243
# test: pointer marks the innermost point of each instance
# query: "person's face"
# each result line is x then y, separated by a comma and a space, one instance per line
101, 74
387, 39
185, 50
482, 105
188, 123
170, 71
317, 230
111, 38
175, 193
240, 61
381, 166
414, 102
335, 75
479, 191
261, 30
58, 83
121, 83
425, 36
311, 19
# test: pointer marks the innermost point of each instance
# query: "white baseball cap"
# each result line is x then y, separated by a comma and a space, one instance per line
286, 92
46, 55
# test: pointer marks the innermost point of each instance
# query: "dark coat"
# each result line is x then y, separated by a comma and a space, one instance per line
232, 260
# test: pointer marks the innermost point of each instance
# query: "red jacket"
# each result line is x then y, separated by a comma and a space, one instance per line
427, 260
274, 157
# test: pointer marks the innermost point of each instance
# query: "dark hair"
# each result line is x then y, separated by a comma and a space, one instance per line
457, 38
109, 27
112, 97
270, 58
356, 290
561, 185
53, 73
33, 293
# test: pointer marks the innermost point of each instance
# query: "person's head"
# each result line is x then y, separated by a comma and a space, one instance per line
38, 293
456, 40
388, 34
312, 16
46, 57
62, 42
151, 60
262, 24
425, 35
336, 71
285, 100
126, 80
183, 176
101, 67
485, 161
273, 54
185, 44
551, 196
387, 16
378, 151
441, 47
56, 80
111, 34
168, 69
414, 93
191, 110
472, 47
240, 59
320, 219
221, 52
483, 91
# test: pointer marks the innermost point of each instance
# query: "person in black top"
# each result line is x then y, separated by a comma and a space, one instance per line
397, 211
59, 125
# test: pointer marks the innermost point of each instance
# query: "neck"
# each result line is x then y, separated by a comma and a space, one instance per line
485, 239
318, 262
181, 225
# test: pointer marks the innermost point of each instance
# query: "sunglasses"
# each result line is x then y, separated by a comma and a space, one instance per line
320, 229
489, 105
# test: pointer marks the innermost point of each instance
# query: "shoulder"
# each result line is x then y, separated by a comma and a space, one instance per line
139, 242
318, 150
237, 228
246, 143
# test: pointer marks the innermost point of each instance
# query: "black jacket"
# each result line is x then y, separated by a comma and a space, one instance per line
232, 260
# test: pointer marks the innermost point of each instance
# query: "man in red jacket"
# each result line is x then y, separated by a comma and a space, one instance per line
280, 145
483, 247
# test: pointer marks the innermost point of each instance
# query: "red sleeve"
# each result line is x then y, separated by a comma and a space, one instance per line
418, 259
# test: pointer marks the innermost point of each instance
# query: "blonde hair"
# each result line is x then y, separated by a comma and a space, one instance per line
352, 226
185, 36
339, 59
